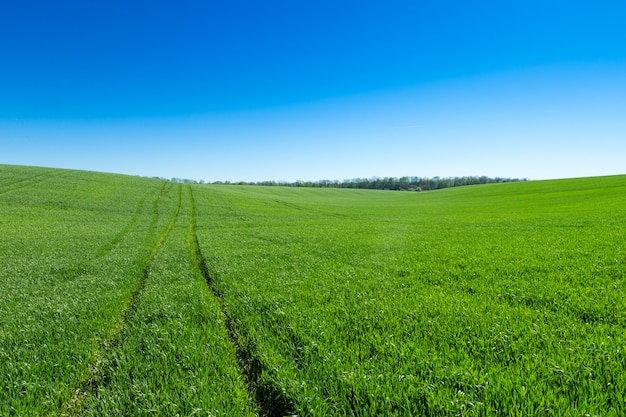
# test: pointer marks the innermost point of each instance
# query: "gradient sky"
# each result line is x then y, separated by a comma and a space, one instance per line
288, 90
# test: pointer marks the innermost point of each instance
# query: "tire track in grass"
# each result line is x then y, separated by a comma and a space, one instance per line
11, 183
32, 180
95, 375
74, 272
270, 399
118, 237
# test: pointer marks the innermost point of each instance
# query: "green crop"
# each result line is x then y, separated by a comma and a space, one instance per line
70, 260
104, 310
174, 355
488, 300
133, 296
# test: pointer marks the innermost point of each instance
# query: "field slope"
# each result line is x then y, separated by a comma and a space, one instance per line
133, 296
104, 309
502, 299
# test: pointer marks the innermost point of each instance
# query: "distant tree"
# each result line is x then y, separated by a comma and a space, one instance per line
405, 183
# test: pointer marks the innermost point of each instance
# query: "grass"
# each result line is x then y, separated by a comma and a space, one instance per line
488, 300
70, 262
133, 296
96, 269
174, 355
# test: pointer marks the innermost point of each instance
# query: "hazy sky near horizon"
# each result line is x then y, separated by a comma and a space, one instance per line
288, 90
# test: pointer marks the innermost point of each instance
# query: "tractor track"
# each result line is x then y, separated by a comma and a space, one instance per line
32, 180
85, 266
269, 399
124, 231
95, 374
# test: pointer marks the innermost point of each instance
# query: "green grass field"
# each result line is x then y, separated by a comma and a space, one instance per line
132, 296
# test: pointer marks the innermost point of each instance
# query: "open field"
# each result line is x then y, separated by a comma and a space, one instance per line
104, 310
133, 296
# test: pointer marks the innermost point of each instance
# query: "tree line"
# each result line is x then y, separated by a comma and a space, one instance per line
386, 183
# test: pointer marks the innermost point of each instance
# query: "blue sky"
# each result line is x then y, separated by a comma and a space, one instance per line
315, 90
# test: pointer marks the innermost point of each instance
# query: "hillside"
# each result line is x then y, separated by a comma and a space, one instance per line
134, 296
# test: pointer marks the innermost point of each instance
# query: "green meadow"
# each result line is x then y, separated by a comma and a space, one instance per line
131, 296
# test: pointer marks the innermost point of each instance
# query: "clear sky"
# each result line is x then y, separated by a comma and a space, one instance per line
287, 90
